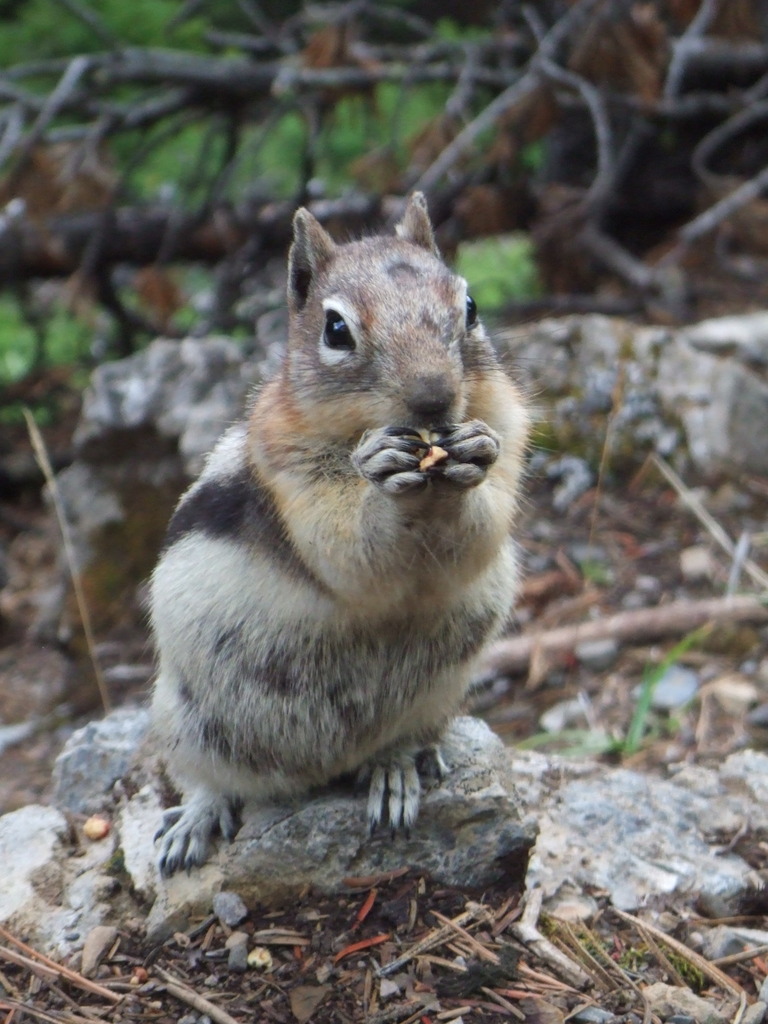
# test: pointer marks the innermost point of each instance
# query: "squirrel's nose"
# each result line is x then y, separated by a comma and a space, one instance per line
430, 396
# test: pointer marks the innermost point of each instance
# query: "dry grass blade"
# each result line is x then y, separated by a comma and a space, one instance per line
15, 1006
707, 968
477, 947
434, 938
61, 971
41, 455
739, 958
707, 520
526, 931
588, 948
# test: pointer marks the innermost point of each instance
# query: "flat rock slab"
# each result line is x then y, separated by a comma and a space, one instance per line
469, 834
640, 839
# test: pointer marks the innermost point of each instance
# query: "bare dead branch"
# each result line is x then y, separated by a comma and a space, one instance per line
720, 211
138, 235
686, 44
529, 80
512, 656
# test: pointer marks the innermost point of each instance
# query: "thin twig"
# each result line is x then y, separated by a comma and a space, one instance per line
705, 966
739, 958
41, 454
683, 47
510, 97
674, 619
179, 991
61, 970
714, 215
740, 554
434, 938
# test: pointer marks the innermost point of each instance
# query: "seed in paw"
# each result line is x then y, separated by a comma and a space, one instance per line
434, 457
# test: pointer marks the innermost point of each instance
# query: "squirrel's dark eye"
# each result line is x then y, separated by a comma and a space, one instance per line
471, 312
337, 334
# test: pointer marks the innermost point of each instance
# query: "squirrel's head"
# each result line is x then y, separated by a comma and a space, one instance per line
381, 331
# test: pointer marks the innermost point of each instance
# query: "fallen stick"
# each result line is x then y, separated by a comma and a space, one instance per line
514, 655
184, 994
61, 971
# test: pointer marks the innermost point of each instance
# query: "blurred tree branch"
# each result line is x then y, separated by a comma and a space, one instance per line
648, 126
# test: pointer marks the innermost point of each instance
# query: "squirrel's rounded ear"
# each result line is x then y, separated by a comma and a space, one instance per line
311, 249
416, 226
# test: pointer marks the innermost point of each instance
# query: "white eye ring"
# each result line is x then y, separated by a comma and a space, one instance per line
341, 321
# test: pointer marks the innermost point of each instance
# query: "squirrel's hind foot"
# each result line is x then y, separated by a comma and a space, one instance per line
394, 786
187, 831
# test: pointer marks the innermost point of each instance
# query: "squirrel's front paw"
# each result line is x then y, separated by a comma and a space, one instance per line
390, 457
472, 447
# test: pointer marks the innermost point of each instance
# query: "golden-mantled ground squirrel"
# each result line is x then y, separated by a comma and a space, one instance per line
329, 579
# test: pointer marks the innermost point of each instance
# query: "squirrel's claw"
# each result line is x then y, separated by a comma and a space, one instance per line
394, 793
187, 831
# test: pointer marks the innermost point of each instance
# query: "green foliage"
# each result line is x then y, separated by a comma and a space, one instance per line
66, 340
586, 742
33, 30
499, 269
639, 726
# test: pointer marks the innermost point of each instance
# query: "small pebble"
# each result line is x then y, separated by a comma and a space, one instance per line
388, 988
733, 693
229, 908
592, 1015
648, 585
597, 654
97, 943
237, 960
260, 958
563, 715
696, 563
758, 717
677, 686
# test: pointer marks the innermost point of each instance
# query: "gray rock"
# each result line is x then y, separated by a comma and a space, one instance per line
469, 833
51, 893
700, 385
229, 908
676, 687
28, 839
633, 835
95, 757
147, 423
237, 955
592, 1015
668, 1001
564, 715
185, 391
744, 336
725, 940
